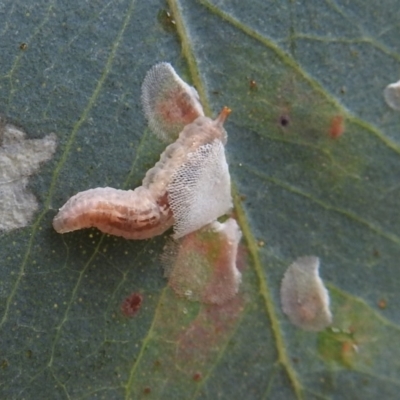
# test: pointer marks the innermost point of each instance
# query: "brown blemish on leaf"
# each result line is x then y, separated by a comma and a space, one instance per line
382, 304
131, 305
284, 121
146, 390
197, 377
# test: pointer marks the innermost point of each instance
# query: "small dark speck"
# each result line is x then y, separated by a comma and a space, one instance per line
382, 304
284, 120
197, 377
146, 390
23, 46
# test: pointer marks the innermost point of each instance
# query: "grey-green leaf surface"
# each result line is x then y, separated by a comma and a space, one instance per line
295, 74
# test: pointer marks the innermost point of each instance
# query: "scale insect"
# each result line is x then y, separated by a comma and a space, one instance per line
187, 188
304, 297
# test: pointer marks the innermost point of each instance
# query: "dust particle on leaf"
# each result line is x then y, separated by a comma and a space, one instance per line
166, 20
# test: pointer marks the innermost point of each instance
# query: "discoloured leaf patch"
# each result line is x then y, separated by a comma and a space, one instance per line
19, 159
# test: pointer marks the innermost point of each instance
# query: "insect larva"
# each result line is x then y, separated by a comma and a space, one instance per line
304, 297
132, 214
189, 186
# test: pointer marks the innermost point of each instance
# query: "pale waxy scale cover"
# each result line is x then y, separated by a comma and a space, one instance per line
304, 297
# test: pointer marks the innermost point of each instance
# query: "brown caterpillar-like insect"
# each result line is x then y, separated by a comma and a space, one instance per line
188, 187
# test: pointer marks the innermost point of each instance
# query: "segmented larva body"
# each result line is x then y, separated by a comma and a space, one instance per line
132, 214
144, 212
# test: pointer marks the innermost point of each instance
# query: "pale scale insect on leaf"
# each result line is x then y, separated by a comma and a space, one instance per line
392, 95
304, 298
145, 212
169, 103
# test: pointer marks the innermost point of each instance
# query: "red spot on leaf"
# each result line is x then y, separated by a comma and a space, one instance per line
197, 377
336, 127
131, 305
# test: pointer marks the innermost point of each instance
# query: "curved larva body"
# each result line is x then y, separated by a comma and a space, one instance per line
144, 212
132, 214
188, 187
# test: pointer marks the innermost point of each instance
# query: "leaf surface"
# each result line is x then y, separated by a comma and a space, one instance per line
314, 157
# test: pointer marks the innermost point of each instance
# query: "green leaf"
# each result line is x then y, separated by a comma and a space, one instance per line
295, 74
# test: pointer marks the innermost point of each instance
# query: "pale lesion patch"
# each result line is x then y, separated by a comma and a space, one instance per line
20, 158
